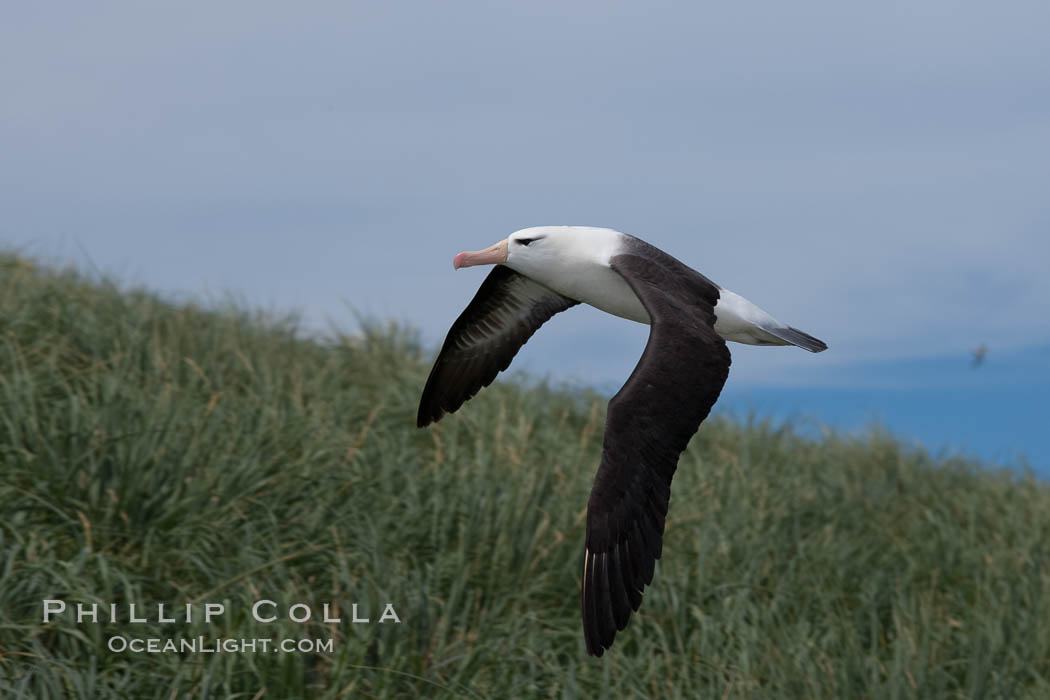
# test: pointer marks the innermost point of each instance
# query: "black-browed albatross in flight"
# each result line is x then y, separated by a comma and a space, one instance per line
541, 271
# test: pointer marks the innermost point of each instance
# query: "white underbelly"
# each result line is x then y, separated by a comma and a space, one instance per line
598, 285
603, 288
736, 318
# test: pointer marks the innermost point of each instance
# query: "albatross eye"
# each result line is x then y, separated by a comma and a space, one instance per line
526, 241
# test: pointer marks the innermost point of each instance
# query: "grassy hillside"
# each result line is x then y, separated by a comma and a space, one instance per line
154, 453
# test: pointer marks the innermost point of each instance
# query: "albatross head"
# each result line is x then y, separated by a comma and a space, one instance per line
543, 249
571, 260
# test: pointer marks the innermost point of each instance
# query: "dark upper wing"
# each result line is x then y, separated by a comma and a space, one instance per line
505, 312
648, 425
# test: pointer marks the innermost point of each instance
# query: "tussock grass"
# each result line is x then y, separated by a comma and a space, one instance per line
157, 453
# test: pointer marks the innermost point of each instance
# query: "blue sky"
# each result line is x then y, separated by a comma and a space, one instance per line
875, 175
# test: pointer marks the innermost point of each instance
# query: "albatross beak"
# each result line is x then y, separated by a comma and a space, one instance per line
492, 255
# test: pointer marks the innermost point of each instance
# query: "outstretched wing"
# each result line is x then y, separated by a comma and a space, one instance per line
505, 312
648, 425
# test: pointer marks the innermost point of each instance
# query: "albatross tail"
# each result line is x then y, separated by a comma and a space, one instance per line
739, 320
794, 336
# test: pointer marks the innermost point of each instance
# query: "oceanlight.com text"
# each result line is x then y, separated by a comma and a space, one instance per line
120, 644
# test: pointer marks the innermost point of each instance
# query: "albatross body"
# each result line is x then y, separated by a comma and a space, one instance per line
544, 270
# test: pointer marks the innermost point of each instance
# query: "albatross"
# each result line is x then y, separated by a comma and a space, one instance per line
544, 270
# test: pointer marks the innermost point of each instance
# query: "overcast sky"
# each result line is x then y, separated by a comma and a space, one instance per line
877, 175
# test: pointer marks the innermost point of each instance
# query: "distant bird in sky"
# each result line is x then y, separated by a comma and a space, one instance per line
979, 353
541, 271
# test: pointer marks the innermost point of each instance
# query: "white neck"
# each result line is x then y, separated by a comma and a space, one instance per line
574, 261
